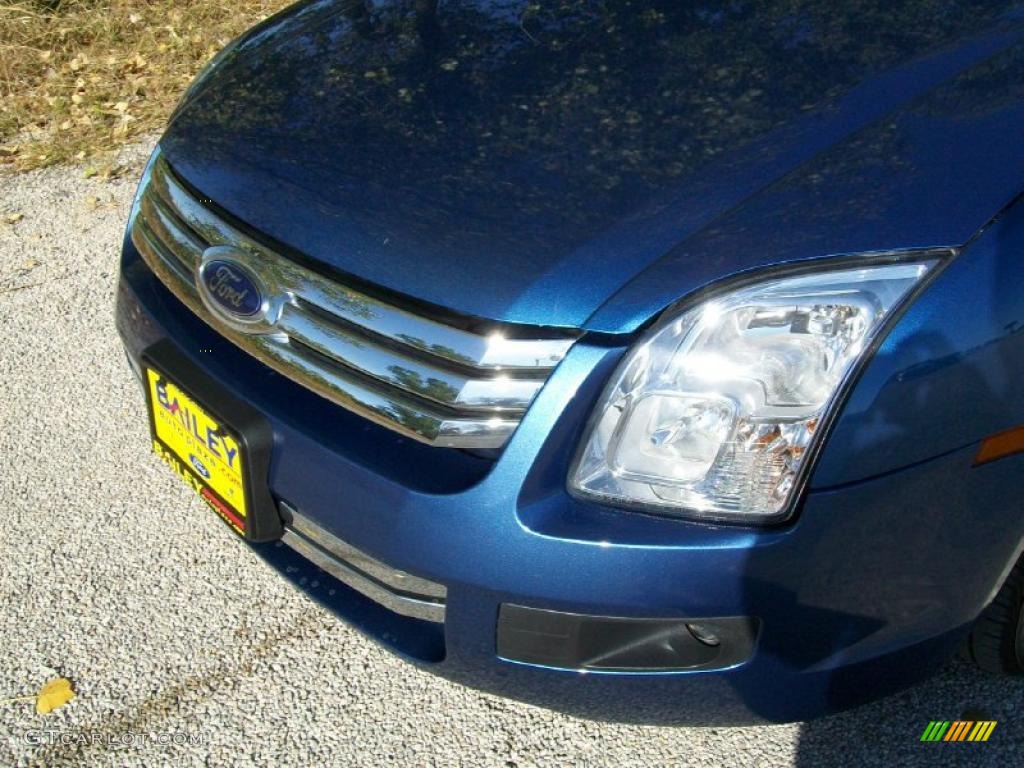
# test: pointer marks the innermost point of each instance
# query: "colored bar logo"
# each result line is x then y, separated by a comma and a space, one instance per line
958, 730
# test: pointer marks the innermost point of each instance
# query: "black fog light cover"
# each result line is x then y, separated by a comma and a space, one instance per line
622, 644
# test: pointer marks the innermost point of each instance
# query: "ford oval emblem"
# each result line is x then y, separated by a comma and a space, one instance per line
199, 466
231, 288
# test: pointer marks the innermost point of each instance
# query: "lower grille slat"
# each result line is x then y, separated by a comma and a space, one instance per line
396, 590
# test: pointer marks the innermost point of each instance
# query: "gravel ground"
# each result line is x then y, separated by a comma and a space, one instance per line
113, 574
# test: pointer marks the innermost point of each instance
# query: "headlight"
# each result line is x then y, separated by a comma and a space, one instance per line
713, 413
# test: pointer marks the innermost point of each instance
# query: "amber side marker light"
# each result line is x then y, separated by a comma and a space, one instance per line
1000, 445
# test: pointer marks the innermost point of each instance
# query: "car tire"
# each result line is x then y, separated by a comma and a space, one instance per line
996, 642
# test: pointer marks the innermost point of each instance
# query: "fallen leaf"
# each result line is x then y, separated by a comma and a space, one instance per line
112, 171
53, 695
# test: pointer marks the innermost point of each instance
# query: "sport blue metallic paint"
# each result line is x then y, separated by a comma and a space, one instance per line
653, 147
874, 126
949, 374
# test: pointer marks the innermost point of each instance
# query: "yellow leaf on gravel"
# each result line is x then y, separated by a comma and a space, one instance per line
53, 695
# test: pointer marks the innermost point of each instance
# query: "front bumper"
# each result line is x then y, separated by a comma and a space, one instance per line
869, 590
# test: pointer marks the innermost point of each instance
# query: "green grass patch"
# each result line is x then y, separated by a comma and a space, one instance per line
79, 78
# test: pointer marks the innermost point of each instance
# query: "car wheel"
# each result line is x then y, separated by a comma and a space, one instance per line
996, 642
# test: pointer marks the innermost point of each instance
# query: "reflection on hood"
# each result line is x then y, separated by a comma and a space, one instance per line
523, 130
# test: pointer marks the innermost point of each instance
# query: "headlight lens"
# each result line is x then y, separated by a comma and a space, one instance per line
712, 415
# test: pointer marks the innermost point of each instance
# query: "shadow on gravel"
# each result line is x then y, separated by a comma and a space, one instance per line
888, 732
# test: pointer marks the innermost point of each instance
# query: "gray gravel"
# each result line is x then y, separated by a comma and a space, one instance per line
114, 575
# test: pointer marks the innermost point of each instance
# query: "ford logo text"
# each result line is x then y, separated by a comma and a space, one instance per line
231, 288
198, 465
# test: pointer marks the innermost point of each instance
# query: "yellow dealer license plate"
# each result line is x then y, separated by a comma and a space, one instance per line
202, 451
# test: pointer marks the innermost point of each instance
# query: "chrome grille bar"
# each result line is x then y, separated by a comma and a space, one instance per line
436, 383
396, 590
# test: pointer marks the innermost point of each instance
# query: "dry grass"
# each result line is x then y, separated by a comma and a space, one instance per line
78, 78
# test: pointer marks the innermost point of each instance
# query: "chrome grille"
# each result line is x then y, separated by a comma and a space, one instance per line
396, 590
431, 381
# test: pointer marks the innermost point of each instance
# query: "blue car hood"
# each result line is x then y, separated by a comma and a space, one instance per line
587, 163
